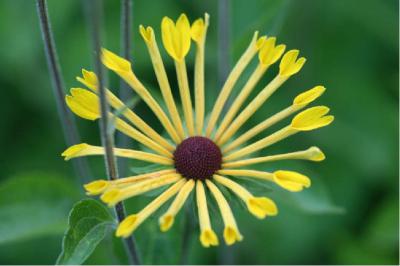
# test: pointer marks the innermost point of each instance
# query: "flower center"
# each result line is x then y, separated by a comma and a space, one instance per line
197, 158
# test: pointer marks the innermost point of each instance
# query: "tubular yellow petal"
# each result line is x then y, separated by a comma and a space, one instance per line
291, 181
83, 103
198, 33
176, 37
230, 82
258, 206
183, 85
132, 222
146, 33
290, 65
244, 93
159, 69
232, 235
207, 236
312, 118
308, 96
85, 149
115, 62
96, 187
231, 232
249, 173
262, 143
167, 220
269, 53
89, 79
312, 154
115, 195
251, 108
123, 182
261, 207
129, 77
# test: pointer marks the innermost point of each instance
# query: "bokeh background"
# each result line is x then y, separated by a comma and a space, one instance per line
349, 216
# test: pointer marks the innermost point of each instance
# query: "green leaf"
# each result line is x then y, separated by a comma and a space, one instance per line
34, 205
89, 222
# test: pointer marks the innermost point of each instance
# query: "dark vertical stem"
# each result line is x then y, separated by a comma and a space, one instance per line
226, 254
70, 131
105, 127
125, 93
223, 40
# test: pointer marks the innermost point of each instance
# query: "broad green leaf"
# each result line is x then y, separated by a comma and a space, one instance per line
34, 205
89, 222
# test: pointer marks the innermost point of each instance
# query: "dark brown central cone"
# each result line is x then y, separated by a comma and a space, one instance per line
197, 158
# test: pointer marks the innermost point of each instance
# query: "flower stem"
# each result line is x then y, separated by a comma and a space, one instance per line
107, 135
125, 94
70, 131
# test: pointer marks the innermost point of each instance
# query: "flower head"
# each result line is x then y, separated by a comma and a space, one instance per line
200, 155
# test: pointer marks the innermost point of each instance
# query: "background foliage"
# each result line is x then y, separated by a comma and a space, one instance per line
349, 216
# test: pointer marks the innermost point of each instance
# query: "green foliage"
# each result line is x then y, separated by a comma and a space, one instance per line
34, 205
89, 222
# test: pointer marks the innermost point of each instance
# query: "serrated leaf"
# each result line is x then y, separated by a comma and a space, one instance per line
34, 205
89, 222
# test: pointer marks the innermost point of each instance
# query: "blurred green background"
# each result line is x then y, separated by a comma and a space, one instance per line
349, 216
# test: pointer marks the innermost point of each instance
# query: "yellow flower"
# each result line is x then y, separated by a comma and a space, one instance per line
200, 155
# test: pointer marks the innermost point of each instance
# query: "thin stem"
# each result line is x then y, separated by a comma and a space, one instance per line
186, 236
125, 94
70, 131
107, 134
226, 254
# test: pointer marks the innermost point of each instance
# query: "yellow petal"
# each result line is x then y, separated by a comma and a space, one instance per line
111, 197
76, 151
146, 33
198, 29
290, 65
83, 103
261, 207
312, 118
315, 154
291, 181
115, 62
208, 238
309, 96
127, 226
96, 187
166, 222
176, 38
269, 53
232, 235
89, 79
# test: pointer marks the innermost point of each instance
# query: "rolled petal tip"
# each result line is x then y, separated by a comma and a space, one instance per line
127, 226
166, 222
312, 118
291, 181
115, 62
262, 207
309, 96
232, 235
96, 187
290, 65
74, 151
208, 238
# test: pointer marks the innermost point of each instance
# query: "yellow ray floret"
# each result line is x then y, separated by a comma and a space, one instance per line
231, 231
122, 67
167, 220
290, 65
311, 154
260, 207
90, 80
207, 235
176, 37
268, 54
84, 149
127, 226
98, 187
301, 101
162, 78
198, 32
115, 195
255, 44
309, 119
288, 180
84, 103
